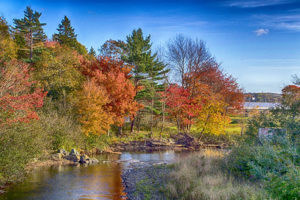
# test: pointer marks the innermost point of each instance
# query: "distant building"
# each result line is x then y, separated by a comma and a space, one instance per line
260, 105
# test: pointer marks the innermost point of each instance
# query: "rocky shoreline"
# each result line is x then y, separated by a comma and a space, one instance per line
145, 182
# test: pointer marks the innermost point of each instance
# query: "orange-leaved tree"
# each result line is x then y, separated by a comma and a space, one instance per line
91, 107
291, 98
19, 99
114, 76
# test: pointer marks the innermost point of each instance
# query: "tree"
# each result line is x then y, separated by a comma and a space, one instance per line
187, 55
66, 36
91, 107
92, 52
147, 70
291, 98
29, 31
7, 45
66, 33
58, 72
113, 48
180, 106
113, 75
18, 98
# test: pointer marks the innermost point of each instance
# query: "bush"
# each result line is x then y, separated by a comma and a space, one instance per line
285, 187
20, 143
257, 161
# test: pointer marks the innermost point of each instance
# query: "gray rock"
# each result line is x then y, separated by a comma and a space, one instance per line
94, 161
74, 158
2, 191
84, 159
74, 152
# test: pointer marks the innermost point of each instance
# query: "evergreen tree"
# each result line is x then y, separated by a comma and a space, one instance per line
92, 52
147, 70
29, 32
66, 33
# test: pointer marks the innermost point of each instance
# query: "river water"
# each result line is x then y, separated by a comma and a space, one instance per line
93, 182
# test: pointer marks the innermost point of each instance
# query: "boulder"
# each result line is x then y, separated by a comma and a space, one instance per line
74, 152
93, 161
74, 158
84, 159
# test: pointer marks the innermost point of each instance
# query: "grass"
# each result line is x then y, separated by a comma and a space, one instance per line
201, 177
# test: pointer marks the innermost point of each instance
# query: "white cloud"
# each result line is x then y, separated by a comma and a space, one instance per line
261, 31
257, 3
284, 21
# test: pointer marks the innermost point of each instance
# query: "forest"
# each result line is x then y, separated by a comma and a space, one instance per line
56, 94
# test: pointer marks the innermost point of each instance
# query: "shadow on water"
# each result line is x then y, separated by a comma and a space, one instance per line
101, 181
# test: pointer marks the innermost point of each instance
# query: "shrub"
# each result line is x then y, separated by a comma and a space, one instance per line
285, 187
19, 145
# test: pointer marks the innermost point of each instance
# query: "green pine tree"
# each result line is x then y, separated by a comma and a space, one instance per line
92, 52
29, 32
147, 71
66, 36
66, 33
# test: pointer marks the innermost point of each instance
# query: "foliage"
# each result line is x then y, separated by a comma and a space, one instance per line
91, 107
57, 70
113, 76
8, 49
20, 143
66, 36
18, 100
285, 187
29, 32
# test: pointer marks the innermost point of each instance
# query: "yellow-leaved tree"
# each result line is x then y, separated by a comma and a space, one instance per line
93, 116
212, 118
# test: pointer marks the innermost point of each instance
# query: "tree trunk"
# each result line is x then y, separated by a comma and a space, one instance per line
132, 125
120, 130
151, 128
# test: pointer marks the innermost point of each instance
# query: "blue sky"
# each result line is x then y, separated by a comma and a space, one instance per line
257, 41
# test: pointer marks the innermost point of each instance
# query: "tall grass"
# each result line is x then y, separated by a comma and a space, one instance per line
201, 177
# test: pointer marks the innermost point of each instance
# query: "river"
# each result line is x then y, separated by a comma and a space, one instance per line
93, 182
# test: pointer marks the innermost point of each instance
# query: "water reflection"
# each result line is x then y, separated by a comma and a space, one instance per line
101, 181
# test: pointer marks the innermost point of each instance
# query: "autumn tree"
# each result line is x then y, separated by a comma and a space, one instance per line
114, 76
291, 98
18, 98
92, 109
7, 45
58, 72
29, 33
180, 106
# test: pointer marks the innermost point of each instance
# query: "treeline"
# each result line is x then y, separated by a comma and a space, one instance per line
54, 93
263, 97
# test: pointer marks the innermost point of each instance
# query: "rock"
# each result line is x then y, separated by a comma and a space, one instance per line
74, 152
93, 161
63, 152
186, 140
74, 158
57, 156
2, 191
84, 159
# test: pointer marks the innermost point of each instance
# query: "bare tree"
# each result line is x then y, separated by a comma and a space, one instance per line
187, 55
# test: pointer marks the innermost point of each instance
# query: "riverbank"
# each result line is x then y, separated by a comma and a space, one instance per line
199, 176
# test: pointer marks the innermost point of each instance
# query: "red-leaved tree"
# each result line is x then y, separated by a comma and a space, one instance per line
18, 98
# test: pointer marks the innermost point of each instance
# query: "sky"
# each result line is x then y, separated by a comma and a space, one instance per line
256, 41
